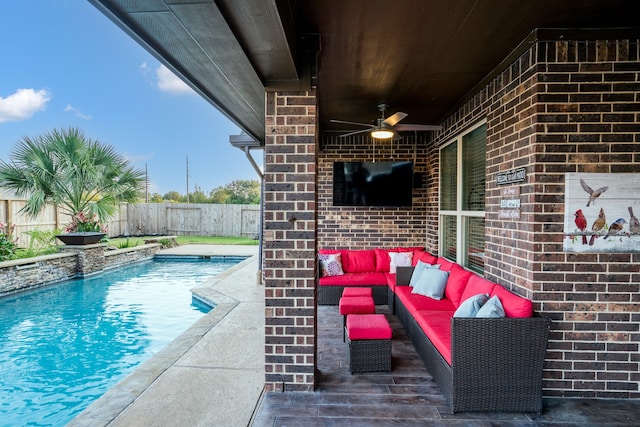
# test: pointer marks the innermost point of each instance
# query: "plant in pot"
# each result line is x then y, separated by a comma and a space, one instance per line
83, 230
84, 178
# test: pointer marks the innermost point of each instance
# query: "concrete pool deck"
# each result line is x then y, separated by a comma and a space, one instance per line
212, 374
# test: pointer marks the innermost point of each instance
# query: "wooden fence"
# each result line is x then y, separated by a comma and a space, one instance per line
194, 219
144, 218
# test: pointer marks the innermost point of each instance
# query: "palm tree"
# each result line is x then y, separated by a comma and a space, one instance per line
67, 169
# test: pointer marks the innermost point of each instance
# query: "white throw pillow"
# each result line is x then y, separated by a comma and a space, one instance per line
399, 259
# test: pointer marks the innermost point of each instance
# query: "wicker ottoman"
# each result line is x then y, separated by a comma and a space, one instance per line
369, 343
355, 305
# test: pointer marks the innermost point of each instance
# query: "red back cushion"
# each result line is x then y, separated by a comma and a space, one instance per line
361, 261
456, 284
382, 260
477, 285
514, 305
445, 264
409, 249
424, 257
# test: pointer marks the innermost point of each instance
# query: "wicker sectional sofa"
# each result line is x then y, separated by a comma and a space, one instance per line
367, 267
480, 364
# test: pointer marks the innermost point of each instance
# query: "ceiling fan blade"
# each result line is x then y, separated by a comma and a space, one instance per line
416, 127
351, 123
395, 118
354, 133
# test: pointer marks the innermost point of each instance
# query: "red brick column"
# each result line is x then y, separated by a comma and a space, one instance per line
289, 263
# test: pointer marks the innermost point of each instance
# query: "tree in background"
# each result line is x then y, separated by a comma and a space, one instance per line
173, 196
240, 191
80, 175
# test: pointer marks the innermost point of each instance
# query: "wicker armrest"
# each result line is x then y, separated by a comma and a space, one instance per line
403, 275
498, 363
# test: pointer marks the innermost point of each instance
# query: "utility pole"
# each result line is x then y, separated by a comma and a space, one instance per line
187, 179
146, 183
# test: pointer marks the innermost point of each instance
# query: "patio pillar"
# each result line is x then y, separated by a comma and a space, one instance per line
289, 242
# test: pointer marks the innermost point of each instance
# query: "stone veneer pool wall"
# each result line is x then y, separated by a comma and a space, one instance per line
71, 262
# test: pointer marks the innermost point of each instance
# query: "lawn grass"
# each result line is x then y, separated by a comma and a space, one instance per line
183, 240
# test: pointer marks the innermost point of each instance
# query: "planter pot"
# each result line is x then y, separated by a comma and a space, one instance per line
81, 238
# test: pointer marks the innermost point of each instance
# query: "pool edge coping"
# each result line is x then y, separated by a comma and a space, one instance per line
116, 400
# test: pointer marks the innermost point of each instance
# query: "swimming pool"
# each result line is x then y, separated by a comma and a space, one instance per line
65, 345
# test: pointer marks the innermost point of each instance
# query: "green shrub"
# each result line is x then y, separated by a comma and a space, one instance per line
7, 247
127, 244
42, 242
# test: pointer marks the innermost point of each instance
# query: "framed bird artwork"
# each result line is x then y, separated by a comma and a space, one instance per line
600, 212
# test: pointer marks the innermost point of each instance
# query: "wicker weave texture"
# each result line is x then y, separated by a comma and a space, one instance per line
369, 356
330, 295
496, 363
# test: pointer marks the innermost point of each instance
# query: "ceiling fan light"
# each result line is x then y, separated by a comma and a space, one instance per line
381, 134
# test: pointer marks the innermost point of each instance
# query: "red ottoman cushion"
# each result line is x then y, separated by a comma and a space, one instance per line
357, 292
357, 305
368, 327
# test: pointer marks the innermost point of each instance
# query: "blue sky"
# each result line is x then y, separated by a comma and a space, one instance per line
64, 64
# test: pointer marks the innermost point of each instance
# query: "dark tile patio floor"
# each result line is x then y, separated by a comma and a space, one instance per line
408, 396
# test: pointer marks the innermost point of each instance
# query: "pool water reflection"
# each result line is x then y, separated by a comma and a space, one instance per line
63, 346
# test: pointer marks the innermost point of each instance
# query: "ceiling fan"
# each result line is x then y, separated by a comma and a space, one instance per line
386, 128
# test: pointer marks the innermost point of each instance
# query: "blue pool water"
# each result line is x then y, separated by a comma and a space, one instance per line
63, 346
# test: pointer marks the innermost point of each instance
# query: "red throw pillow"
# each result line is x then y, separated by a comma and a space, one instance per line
514, 305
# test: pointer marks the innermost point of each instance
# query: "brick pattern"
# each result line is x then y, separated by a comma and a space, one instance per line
565, 106
371, 227
587, 120
289, 241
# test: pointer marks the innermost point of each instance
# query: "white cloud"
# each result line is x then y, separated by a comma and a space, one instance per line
23, 104
77, 112
144, 68
169, 82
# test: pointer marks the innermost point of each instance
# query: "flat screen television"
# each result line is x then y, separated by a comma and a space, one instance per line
372, 184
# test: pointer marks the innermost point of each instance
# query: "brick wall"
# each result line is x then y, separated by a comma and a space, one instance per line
289, 242
563, 106
372, 227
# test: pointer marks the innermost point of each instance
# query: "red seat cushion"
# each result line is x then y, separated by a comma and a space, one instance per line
363, 261
456, 284
391, 281
368, 327
514, 305
356, 305
357, 292
354, 279
415, 302
437, 326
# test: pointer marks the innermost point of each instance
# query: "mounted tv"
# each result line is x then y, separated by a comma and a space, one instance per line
372, 184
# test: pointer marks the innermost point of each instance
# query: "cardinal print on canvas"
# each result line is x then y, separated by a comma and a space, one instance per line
600, 212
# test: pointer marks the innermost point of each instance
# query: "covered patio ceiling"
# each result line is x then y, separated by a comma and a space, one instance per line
419, 56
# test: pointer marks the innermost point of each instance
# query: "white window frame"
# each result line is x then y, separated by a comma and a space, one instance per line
458, 213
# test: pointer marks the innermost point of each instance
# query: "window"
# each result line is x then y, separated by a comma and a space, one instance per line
462, 187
